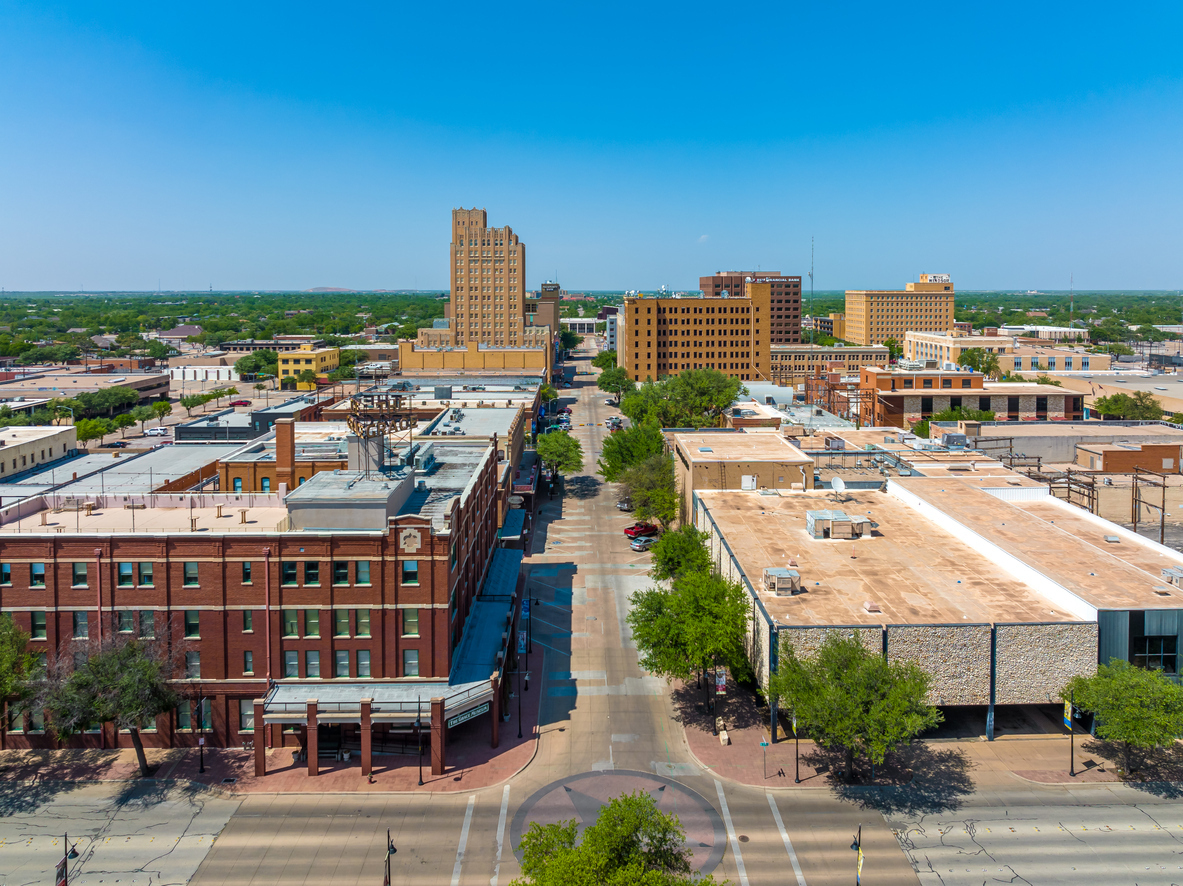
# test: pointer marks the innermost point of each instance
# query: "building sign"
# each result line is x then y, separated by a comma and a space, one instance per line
774, 279
1068, 714
525, 607
938, 278
468, 715
521, 642
721, 681
60, 878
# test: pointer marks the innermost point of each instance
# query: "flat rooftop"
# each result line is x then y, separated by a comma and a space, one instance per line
757, 408
1063, 543
468, 383
480, 422
915, 571
220, 420
68, 384
115, 519
1109, 430
18, 434
294, 403
747, 446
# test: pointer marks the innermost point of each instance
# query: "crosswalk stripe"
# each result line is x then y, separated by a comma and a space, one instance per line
784, 835
743, 874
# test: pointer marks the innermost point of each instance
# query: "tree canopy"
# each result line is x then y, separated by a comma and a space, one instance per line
631, 843
980, 360
693, 399
569, 340
257, 363
653, 489
1139, 406
604, 360
615, 380
850, 698
561, 452
629, 447
1140, 708
894, 350
679, 552
16, 662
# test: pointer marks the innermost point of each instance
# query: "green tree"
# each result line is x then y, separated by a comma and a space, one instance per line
653, 489
693, 399
1140, 406
1142, 709
561, 452
124, 682
547, 393
604, 360
257, 363
569, 340
615, 380
679, 552
88, 429
1042, 379
143, 415
160, 409
959, 414
122, 422
307, 377
700, 620
922, 428
629, 447
190, 402
894, 350
849, 698
66, 407
631, 843
980, 360
17, 664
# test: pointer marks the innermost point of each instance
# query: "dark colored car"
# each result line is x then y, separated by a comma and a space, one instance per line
641, 530
117, 444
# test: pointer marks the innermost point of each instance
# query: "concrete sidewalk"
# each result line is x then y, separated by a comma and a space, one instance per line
472, 763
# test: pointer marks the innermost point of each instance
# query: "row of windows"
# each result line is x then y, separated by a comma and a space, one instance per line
25, 458
143, 574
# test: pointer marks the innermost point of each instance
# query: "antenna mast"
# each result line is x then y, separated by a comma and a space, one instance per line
813, 319
1071, 299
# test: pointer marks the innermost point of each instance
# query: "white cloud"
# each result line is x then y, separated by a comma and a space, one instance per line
704, 238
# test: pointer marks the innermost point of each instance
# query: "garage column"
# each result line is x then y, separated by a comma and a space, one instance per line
438, 731
313, 743
367, 739
260, 740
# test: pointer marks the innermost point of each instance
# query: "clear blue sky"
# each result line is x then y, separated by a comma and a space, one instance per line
630, 145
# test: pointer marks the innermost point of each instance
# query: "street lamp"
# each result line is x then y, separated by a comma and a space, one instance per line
857, 846
419, 735
390, 850
201, 738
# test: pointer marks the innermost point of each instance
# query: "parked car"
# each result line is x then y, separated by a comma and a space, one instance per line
566, 384
240, 402
156, 432
624, 505
117, 444
566, 410
609, 402
643, 543
641, 530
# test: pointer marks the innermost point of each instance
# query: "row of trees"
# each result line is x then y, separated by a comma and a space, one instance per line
193, 401
1140, 405
88, 429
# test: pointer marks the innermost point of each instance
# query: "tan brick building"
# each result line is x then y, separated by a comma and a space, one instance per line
488, 273
875, 315
667, 335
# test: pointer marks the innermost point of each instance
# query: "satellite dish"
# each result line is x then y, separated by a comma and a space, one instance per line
839, 486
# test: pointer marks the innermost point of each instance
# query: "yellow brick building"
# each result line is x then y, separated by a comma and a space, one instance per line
875, 315
476, 357
322, 361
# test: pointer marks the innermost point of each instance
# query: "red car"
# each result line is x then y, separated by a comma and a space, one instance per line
641, 530
566, 410
240, 402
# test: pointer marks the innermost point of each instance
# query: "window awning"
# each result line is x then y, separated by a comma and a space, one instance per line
515, 521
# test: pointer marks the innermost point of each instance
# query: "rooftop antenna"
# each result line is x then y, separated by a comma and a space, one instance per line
1071, 298
814, 324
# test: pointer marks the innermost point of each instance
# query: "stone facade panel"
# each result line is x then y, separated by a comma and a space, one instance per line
956, 657
1034, 661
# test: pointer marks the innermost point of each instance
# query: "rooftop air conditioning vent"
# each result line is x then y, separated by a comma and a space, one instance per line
781, 581
871, 606
1173, 574
1113, 539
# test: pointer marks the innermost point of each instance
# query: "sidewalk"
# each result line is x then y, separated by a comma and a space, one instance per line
962, 765
472, 763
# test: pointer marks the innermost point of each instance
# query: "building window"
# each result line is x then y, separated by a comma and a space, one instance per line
410, 662
5, 573
37, 575
1084, 362
311, 572
1156, 653
311, 622
81, 627
146, 575
410, 572
125, 575
288, 573
238, 484
410, 622
340, 572
340, 622
192, 623
246, 573
37, 625
248, 662
78, 578
147, 624
126, 621
190, 574
291, 623
362, 617
341, 666
192, 665
363, 572
363, 662
266, 484
246, 715
291, 664
248, 621
37, 721
185, 716
312, 663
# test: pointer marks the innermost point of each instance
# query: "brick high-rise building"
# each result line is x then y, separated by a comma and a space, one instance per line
784, 299
488, 272
875, 315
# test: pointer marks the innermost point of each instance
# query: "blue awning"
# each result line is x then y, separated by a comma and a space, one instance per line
515, 521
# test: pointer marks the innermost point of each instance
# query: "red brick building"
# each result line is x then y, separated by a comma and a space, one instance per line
784, 301
355, 580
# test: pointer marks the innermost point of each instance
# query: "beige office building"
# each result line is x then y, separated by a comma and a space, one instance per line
488, 271
875, 315
792, 364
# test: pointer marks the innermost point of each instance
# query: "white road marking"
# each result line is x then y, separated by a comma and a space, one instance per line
743, 874
500, 835
464, 840
784, 835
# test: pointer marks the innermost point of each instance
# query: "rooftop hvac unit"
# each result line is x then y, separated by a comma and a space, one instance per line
782, 581
1174, 574
835, 443
953, 440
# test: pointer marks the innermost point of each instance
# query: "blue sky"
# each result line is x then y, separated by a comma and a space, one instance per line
630, 145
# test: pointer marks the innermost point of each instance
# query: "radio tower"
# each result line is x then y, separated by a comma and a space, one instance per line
813, 320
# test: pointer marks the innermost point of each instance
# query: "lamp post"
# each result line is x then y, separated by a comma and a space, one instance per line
857, 846
796, 750
201, 737
390, 850
519, 700
69, 853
